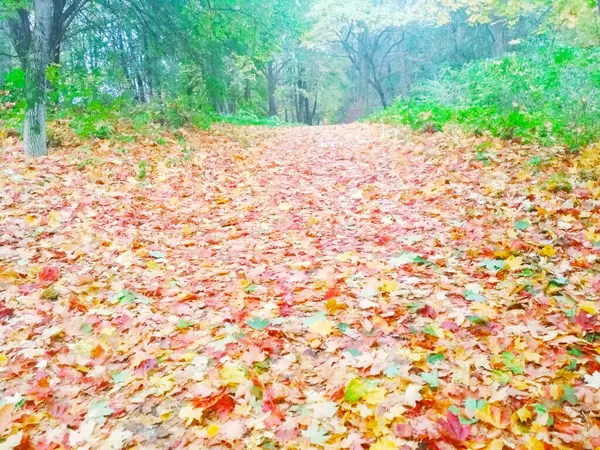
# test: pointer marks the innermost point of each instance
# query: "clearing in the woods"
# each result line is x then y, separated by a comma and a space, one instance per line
341, 287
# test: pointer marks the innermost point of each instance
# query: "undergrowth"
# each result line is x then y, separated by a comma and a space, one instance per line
78, 103
545, 95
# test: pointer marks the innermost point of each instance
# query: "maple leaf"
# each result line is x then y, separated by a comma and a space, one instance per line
49, 274
452, 429
593, 380
258, 324
316, 434
431, 378
99, 409
412, 394
355, 390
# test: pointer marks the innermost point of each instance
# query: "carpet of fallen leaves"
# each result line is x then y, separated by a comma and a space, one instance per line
345, 287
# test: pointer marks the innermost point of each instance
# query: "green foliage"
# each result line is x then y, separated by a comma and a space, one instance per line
545, 95
77, 97
245, 118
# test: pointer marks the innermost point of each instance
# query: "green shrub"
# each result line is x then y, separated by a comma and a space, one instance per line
545, 95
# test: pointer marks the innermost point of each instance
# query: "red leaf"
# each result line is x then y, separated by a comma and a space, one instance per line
586, 321
6, 312
49, 274
452, 429
224, 407
331, 293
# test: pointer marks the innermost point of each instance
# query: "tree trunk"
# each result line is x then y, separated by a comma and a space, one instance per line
271, 86
499, 36
35, 93
403, 68
247, 92
363, 73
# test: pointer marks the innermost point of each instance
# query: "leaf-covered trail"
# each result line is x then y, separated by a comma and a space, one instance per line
338, 287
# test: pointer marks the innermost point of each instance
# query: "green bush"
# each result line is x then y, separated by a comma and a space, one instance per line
545, 95
78, 98
246, 117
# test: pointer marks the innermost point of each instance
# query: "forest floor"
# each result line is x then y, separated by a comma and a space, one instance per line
341, 287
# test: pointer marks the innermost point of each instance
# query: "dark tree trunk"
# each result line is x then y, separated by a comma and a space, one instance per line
271, 87
18, 28
35, 92
247, 92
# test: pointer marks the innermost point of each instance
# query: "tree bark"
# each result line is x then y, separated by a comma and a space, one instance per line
403, 68
499, 35
271, 86
35, 92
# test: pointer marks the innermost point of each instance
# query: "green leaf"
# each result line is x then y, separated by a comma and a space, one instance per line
477, 320
527, 272
392, 370
511, 364
316, 434
415, 307
432, 379
318, 317
493, 265
474, 404
522, 225
354, 352
558, 282
574, 351
86, 328
403, 259
343, 327
430, 331
251, 288
436, 357
98, 409
258, 324
124, 297
501, 376
182, 324
355, 390
569, 395
158, 255
420, 260
121, 377
474, 296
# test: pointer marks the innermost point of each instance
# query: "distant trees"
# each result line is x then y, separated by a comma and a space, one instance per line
308, 61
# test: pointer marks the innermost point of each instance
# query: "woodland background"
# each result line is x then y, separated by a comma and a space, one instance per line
525, 69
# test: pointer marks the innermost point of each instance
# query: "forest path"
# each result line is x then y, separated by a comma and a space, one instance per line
258, 288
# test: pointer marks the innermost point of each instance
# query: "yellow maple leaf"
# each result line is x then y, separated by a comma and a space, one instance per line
3, 360
332, 305
54, 219
232, 374
494, 415
524, 414
513, 263
212, 430
188, 413
31, 220
375, 396
534, 444
589, 307
548, 251
496, 444
384, 443
322, 327
388, 286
